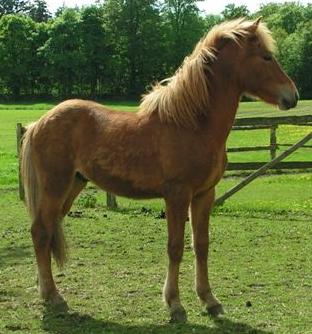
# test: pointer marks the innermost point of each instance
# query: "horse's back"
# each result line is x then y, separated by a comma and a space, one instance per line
78, 111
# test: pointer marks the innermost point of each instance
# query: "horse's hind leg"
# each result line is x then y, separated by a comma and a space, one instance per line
77, 186
200, 210
47, 236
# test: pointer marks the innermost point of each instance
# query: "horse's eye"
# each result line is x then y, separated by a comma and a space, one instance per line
267, 57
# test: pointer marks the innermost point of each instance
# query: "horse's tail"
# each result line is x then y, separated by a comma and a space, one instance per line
32, 195
28, 173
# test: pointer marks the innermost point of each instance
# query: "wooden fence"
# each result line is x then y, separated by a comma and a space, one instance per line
276, 162
242, 124
270, 123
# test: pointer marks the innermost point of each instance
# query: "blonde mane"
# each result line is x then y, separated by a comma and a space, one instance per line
185, 96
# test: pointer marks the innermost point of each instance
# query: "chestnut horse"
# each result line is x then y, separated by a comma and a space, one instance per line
172, 148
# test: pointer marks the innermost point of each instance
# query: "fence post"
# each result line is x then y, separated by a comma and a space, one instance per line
19, 135
273, 141
111, 201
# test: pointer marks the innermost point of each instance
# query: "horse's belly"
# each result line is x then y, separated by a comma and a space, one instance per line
127, 188
142, 186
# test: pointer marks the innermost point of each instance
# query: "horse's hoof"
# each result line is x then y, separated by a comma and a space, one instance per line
215, 310
57, 302
178, 315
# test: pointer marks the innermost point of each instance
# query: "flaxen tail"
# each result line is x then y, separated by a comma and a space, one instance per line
32, 195
28, 173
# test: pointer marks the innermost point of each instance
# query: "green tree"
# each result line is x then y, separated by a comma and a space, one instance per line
305, 64
136, 37
39, 76
291, 15
63, 52
231, 11
118, 64
307, 13
295, 55
59, 11
14, 6
267, 10
288, 51
286, 16
211, 20
95, 49
39, 11
16, 37
184, 27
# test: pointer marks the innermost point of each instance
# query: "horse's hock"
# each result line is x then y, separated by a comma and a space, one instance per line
259, 168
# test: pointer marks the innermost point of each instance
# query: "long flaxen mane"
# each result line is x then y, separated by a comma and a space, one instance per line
184, 96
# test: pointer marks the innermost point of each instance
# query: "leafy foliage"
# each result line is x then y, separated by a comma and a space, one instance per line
183, 27
39, 11
16, 35
63, 51
136, 37
231, 11
94, 48
118, 47
14, 6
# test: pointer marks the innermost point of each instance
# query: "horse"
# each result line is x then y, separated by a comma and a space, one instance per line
173, 147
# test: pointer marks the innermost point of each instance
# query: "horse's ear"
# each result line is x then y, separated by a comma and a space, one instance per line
254, 26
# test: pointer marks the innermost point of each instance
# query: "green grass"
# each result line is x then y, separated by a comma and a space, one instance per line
117, 266
260, 253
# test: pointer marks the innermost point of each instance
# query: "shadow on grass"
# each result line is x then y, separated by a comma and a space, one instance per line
66, 322
11, 256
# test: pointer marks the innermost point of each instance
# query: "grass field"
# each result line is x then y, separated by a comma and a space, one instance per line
260, 252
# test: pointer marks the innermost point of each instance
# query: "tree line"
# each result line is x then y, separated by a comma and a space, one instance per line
120, 47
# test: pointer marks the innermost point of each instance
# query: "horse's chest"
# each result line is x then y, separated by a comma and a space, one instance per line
211, 171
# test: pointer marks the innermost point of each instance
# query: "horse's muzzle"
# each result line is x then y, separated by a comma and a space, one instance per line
290, 101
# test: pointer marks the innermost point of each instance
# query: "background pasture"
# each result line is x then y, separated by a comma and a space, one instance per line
260, 251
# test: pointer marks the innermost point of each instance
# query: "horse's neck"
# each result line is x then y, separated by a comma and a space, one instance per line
225, 93
223, 106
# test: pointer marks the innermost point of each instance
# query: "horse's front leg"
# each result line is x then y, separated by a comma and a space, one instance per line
201, 206
176, 212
